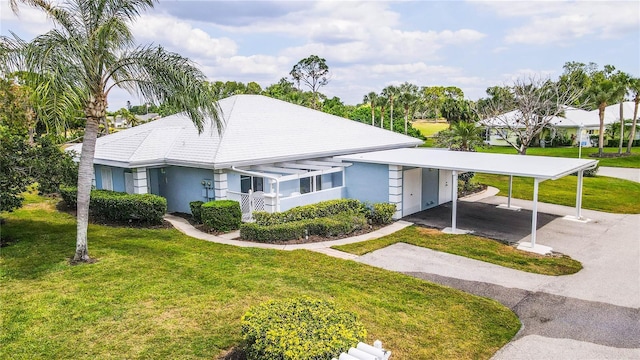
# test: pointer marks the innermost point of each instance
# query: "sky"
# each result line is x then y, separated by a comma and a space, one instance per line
369, 45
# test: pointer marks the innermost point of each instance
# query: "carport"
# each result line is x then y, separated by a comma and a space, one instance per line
540, 168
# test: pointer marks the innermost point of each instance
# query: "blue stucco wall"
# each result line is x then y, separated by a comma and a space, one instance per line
233, 181
368, 182
154, 181
181, 185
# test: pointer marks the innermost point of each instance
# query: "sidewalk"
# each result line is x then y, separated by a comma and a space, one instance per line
620, 173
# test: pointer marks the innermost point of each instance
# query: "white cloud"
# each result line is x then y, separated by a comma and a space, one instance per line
561, 22
180, 36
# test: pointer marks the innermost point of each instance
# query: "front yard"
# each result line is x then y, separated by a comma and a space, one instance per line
155, 293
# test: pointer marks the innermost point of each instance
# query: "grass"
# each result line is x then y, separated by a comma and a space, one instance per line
158, 294
599, 193
473, 247
429, 129
632, 161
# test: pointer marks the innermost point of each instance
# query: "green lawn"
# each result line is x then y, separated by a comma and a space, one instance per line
429, 129
470, 246
158, 294
632, 161
599, 193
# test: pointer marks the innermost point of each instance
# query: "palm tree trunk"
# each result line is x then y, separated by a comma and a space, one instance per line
373, 118
95, 111
381, 117
601, 135
406, 119
632, 133
391, 120
621, 128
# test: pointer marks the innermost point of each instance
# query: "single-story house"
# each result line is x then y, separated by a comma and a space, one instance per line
272, 155
571, 124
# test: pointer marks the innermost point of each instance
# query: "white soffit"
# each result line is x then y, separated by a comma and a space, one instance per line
541, 167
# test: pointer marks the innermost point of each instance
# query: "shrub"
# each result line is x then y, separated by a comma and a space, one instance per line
196, 210
118, 206
301, 328
221, 215
382, 213
338, 225
69, 195
321, 209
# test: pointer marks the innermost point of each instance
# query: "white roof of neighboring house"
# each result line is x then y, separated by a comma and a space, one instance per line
573, 117
514, 118
541, 167
258, 130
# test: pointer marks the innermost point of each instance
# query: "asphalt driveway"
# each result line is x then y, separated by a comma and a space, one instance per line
593, 314
483, 219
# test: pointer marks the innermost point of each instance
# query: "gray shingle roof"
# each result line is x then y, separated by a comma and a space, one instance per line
258, 130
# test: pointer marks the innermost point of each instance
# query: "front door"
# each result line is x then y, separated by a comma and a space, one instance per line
411, 191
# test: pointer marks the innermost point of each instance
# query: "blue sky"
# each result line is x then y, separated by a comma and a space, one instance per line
369, 45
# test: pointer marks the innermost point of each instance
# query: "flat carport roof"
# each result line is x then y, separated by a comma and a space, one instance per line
540, 168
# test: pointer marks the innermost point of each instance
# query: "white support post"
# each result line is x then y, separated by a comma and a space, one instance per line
531, 246
508, 206
579, 196
534, 213
510, 190
396, 190
454, 200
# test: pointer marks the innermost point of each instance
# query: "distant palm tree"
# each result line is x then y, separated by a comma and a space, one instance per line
88, 53
371, 98
622, 81
634, 87
382, 102
408, 97
602, 92
391, 92
462, 136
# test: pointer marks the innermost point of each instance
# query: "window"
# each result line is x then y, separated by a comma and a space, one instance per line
107, 178
310, 184
251, 183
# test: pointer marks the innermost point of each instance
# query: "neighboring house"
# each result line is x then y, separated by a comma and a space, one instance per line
271, 155
498, 128
570, 124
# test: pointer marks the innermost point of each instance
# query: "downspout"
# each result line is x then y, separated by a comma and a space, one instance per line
257, 174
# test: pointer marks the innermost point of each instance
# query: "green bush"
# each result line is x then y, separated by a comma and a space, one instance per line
338, 225
69, 195
196, 210
120, 207
221, 215
321, 209
382, 213
301, 329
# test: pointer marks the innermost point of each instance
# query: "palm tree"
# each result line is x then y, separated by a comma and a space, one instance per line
371, 98
462, 136
89, 52
622, 81
408, 96
382, 102
602, 92
634, 87
391, 92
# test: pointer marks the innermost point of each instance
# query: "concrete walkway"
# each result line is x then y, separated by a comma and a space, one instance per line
323, 247
620, 173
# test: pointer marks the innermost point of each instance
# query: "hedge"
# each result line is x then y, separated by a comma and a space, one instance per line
321, 209
120, 207
301, 328
221, 215
196, 210
338, 225
382, 213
